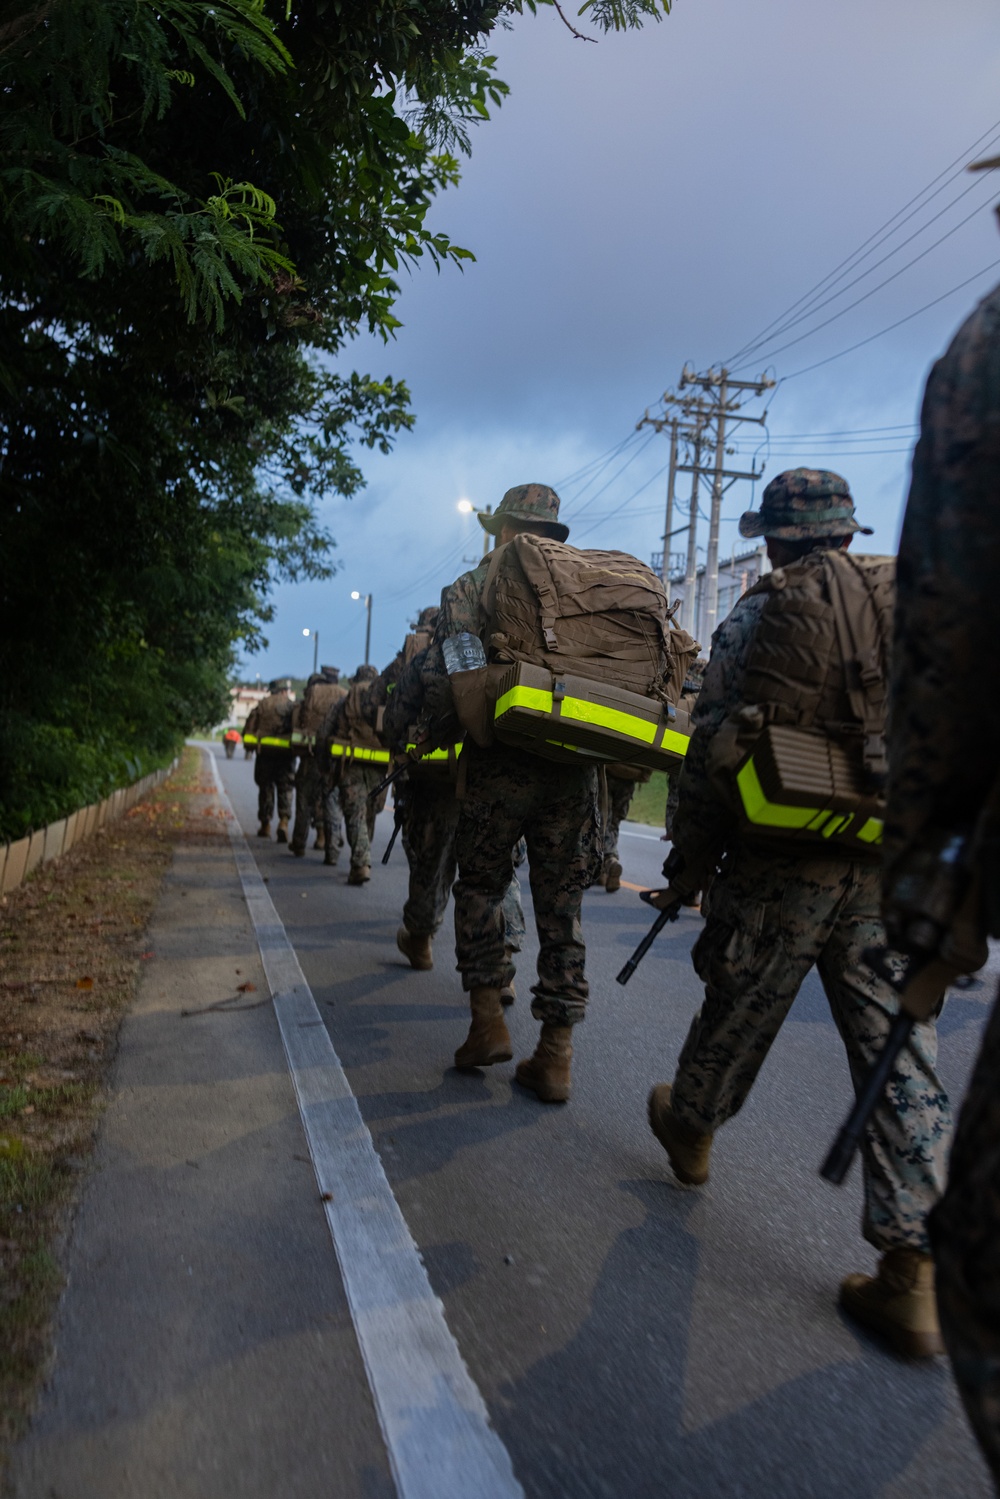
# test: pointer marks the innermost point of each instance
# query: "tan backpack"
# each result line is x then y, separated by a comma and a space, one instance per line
804, 757
309, 715
274, 721
580, 663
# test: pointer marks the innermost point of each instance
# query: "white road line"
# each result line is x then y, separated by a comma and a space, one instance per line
433, 1418
635, 833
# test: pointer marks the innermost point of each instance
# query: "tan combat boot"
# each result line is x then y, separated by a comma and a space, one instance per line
416, 949
612, 876
320, 838
264, 831
897, 1302
487, 1041
687, 1149
547, 1072
281, 836
359, 875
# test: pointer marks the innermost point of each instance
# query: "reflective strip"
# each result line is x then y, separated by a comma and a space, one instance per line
438, 754
299, 737
676, 743
578, 710
629, 724
350, 752
249, 738
769, 814
806, 819
275, 743
524, 697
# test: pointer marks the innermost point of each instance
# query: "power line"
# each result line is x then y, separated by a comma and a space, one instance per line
897, 324
867, 245
871, 292
602, 519
597, 494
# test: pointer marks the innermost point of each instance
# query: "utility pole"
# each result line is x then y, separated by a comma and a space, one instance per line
668, 526
725, 409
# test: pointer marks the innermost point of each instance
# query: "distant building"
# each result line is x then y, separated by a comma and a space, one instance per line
241, 700
737, 573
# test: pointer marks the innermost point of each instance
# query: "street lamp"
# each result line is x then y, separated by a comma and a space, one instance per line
315, 637
368, 628
466, 507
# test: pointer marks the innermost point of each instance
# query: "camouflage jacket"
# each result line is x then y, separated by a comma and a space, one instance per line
944, 741
462, 603
704, 822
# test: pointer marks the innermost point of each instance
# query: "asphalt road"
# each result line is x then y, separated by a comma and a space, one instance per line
629, 1337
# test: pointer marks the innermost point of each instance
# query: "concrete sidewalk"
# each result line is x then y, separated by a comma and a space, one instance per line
204, 1346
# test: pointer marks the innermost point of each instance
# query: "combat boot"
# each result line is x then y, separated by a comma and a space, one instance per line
331, 855
547, 1073
898, 1303
416, 949
298, 849
487, 1041
264, 831
281, 836
612, 876
320, 839
687, 1148
360, 874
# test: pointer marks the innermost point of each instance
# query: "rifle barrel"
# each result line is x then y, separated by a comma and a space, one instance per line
392, 841
669, 913
838, 1162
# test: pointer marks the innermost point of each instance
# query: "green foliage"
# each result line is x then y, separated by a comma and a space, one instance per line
203, 203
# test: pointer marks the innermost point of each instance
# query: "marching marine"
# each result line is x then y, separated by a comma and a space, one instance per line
360, 761
316, 800
800, 887
274, 765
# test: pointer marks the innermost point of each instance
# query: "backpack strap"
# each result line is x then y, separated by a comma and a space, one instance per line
859, 634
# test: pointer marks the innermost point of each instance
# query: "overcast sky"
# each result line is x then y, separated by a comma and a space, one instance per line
657, 199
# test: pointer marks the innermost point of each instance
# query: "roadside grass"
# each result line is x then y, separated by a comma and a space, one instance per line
71, 952
649, 804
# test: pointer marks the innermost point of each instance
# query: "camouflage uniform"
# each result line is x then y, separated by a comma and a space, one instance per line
775, 912
510, 794
943, 764
357, 782
353, 719
316, 801
274, 769
620, 794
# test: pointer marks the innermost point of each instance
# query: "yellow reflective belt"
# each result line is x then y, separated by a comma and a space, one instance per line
299, 737
276, 743
677, 743
249, 738
380, 757
872, 831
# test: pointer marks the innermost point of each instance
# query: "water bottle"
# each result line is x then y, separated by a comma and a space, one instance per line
463, 653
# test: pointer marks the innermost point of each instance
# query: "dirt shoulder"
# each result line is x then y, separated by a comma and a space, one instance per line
72, 944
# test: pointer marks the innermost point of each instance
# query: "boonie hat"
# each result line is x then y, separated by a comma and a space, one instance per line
366, 674
531, 502
804, 502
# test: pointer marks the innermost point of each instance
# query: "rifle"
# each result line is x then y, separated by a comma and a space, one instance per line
397, 823
388, 782
937, 909
669, 913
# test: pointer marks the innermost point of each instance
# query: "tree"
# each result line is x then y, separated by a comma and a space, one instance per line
203, 203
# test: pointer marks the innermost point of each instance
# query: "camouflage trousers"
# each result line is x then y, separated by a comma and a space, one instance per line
356, 782
771, 919
510, 794
620, 794
673, 798
429, 825
316, 804
965, 1234
274, 771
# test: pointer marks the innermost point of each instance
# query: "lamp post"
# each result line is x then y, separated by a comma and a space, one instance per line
466, 507
368, 626
315, 640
